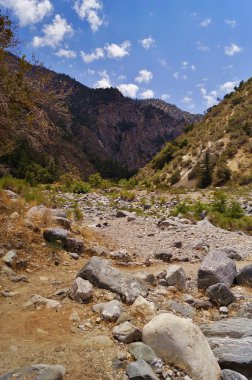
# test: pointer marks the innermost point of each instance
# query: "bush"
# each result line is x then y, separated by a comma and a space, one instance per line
222, 175
72, 183
220, 202
175, 177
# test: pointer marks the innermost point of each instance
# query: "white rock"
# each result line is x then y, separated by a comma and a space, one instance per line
38, 300
141, 307
81, 290
179, 341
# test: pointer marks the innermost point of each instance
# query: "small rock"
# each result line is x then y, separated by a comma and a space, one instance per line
140, 370
164, 256
81, 290
74, 317
110, 311
74, 245
121, 255
38, 300
37, 371
220, 294
244, 276
53, 235
14, 215
176, 277
144, 309
127, 333
10, 257
228, 374
74, 256
139, 350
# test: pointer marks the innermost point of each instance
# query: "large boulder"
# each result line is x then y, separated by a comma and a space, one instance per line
101, 274
179, 341
37, 372
53, 235
232, 327
220, 294
216, 268
228, 374
244, 276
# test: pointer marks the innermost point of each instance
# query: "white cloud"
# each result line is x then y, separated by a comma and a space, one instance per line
28, 11
162, 62
165, 97
231, 23
147, 43
104, 82
122, 77
90, 72
210, 98
232, 49
202, 47
144, 76
66, 53
193, 67
176, 75
205, 23
187, 100
184, 64
148, 94
228, 86
91, 11
94, 56
129, 90
118, 51
54, 33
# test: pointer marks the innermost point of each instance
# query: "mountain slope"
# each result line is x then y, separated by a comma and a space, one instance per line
103, 131
215, 151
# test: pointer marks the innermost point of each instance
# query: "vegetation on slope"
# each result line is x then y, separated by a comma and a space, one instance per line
215, 151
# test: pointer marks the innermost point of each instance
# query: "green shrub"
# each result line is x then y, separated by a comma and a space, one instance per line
175, 177
222, 175
95, 180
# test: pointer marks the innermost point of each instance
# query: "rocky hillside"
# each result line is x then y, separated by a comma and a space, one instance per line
215, 151
103, 131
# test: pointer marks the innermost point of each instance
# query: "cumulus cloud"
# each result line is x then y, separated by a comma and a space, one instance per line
66, 53
232, 49
210, 98
104, 82
94, 56
118, 51
165, 97
28, 11
148, 94
231, 23
187, 100
205, 23
147, 43
144, 76
129, 89
54, 33
228, 86
90, 10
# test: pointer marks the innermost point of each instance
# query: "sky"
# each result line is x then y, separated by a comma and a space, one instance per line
186, 52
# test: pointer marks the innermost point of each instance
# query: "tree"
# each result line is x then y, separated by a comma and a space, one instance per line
206, 171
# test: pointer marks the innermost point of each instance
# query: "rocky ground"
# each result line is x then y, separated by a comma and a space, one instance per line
136, 271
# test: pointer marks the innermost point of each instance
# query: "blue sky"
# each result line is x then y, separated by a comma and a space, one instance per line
186, 52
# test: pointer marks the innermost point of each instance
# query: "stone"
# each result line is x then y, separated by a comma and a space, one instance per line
246, 311
63, 222
38, 300
81, 290
122, 214
140, 370
175, 276
220, 294
178, 341
37, 372
232, 327
139, 350
110, 311
143, 309
74, 245
178, 244
14, 215
232, 253
204, 224
127, 333
223, 310
99, 342
52, 235
10, 257
228, 374
121, 255
244, 276
234, 354
216, 268
164, 256
177, 307
101, 274
74, 256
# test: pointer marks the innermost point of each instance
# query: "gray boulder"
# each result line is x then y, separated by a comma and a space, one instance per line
10, 257
176, 277
139, 351
81, 290
232, 253
52, 235
220, 294
216, 268
233, 328
228, 374
37, 372
127, 333
74, 245
101, 274
178, 341
140, 370
244, 276
110, 311
184, 309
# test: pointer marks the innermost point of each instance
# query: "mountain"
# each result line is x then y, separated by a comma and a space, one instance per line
103, 131
217, 150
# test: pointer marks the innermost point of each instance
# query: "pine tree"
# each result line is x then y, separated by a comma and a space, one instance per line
206, 171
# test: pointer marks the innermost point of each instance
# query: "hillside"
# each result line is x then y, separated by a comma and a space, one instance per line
216, 150
101, 131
